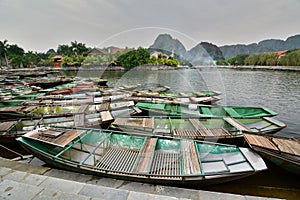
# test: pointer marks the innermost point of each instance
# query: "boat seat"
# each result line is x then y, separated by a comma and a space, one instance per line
106, 116
186, 133
206, 111
203, 131
190, 158
236, 124
144, 162
79, 119
231, 112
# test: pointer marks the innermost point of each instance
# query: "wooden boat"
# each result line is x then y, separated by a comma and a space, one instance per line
10, 130
199, 110
203, 97
284, 152
177, 95
25, 112
224, 130
158, 160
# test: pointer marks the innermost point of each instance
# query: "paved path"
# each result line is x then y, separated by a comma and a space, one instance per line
24, 181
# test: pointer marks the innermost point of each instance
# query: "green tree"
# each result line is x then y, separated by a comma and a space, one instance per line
3, 51
64, 50
238, 60
79, 48
15, 50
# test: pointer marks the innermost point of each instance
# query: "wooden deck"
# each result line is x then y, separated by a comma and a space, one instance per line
190, 158
166, 163
272, 143
121, 160
260, 141
49, 136
4, 126
287, 146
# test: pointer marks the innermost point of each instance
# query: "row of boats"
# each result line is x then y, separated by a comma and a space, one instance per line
146, 134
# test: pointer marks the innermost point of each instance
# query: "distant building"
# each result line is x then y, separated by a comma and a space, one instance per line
157, 54
281, 53
98, 52
57, 61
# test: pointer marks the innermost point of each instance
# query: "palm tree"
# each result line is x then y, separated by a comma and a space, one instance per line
3, 50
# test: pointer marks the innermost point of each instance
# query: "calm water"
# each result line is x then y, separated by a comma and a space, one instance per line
277, 90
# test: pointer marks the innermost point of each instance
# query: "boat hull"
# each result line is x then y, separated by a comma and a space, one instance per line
187, 181
290, 165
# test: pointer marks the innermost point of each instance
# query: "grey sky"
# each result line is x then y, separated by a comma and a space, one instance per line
41, 25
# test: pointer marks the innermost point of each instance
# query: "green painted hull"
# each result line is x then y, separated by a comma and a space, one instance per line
143, 158
204, 110
208, 129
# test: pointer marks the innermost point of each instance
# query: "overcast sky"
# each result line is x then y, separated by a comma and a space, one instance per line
39, 25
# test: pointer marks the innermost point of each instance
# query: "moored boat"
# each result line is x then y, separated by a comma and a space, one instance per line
225, 130
199, 110
284, 152
158, 160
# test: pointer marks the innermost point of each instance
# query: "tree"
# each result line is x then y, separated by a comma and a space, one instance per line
3, 51
79, 48
64, 50
238, 60
15, 50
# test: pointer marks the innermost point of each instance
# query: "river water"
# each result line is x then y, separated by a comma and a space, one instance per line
277, 90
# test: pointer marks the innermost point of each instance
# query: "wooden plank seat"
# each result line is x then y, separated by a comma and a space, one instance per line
135, 122
203, 131
190, 158
236, 124
186, 133
104, 106
82, 108
146, 155
106, 116
219, 131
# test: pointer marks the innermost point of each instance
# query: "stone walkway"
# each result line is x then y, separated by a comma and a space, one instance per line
24, 181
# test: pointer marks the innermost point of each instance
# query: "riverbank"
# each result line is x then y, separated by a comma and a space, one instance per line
25, 181
148, 68
95, 68
280, 68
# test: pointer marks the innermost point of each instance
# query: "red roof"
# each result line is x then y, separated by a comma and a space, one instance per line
281, 52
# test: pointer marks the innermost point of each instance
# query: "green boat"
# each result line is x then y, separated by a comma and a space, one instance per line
226, 130
204, 111
135, 157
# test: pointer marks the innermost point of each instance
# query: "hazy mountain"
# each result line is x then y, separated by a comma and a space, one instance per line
264, 46
203, 53
166, 44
